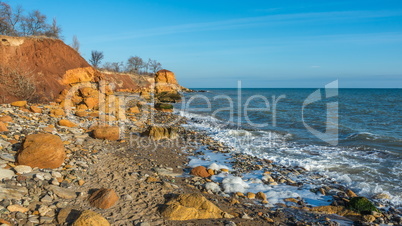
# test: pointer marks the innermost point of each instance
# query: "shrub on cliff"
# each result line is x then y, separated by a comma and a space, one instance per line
18, 83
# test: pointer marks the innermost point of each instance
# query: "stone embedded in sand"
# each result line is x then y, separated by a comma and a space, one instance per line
91, 218
35, 109
67, 123
200, 171
107, 132
6, 118
192, 206
3, 127
158, 133
103, 198
21, 169
42, 150
21, 103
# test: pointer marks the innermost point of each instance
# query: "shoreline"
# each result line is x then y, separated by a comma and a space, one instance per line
134, 173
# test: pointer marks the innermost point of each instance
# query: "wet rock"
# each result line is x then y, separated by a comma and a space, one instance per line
361, 205
103, 198
200, 171
191, 206
42, 150
261, 196
89, 217
381, 196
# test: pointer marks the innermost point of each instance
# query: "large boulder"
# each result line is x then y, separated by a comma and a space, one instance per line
90, 218
103, 198
192, 206
42, 150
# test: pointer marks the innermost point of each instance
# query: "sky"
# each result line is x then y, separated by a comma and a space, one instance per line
264, 44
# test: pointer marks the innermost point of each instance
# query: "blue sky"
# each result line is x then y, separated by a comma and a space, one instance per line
264, 44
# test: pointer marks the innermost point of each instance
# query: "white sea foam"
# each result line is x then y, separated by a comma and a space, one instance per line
357, 169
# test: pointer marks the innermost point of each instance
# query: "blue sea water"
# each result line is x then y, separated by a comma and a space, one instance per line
272, 124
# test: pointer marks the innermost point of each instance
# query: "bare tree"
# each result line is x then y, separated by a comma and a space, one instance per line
113, 66
54, 30
96, 58
5, 15
34, 24
14, 23
154, 65
134, 64
76, 44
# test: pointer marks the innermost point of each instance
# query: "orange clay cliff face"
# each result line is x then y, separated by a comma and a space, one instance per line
54, 67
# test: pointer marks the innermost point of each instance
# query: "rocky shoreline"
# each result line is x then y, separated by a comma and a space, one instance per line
143, 178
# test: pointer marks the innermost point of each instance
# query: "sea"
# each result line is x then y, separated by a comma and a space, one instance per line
353, 136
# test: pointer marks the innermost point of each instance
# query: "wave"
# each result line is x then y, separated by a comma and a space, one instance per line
367, 170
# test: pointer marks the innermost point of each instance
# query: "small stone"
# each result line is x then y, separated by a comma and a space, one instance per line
350, 193
225, 170
240, 194
40, 176
81, 182
34, 220
250, 195
19, 104
261, 196
67, 123
54, 181
21, 169
35, 109
6, 174
152, 180
43, 210
234, 201
17, 208
46, 220
269, 220
46, 199
7, 157
211, 172
3, 127
246, 216
127, 197
56, 174
291, 200
6, 118
369, 218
